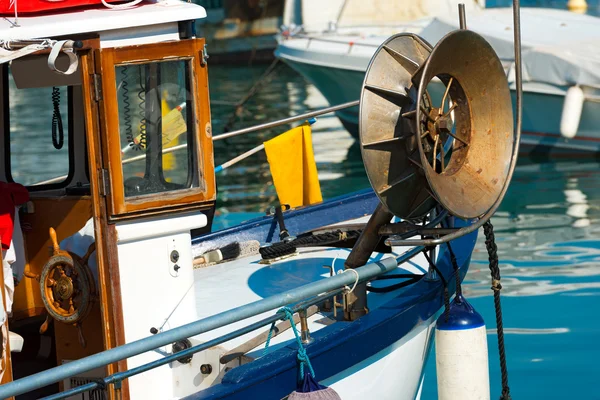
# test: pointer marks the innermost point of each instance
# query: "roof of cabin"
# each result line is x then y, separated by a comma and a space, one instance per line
98, 19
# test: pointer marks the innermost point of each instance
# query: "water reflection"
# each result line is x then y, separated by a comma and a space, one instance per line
247, 186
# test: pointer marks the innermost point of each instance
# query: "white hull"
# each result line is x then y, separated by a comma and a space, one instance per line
392, 374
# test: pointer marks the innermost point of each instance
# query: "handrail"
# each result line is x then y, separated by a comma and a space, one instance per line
120, 376
272, 124
128, 350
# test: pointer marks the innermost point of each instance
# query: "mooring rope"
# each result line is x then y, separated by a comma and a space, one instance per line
456, 270
490, 244
302, 356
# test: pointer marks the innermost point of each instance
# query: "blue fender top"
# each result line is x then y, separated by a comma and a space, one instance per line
461, 316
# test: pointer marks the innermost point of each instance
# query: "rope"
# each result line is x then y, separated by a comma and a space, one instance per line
490, 244
302, 356
281, 249
456, 272
350, 290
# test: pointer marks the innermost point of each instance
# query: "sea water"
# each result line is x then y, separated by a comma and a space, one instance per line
547, 231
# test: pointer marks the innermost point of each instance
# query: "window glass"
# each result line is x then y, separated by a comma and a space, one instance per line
156, 127
39, 134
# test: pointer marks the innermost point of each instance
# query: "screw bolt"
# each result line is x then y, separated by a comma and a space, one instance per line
206, 369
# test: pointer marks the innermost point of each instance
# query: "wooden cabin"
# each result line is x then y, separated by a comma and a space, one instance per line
122, 144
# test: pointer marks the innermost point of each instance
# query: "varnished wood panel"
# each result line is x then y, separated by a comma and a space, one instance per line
67, 337
66, 215
190, 49
108, 261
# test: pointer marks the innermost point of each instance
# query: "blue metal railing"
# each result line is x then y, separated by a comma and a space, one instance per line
128, 350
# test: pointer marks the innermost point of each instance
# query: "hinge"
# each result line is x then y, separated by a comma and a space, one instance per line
104, 183
205, 56
97, 87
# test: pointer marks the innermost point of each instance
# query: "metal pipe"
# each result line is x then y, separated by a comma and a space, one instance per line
252, 129
77, 367
356, 300
120, 376
462, 17
515, 153
286, 120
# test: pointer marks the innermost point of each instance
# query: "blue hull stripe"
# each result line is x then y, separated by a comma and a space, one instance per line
266, 230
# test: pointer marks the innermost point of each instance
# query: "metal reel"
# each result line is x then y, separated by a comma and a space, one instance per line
436, 125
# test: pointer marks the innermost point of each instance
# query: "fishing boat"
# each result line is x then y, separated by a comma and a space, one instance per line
561, 100
122, 290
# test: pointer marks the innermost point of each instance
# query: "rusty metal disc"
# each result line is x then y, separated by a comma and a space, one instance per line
471, 127
387, 130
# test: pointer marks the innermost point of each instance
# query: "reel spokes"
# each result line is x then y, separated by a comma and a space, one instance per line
436, 125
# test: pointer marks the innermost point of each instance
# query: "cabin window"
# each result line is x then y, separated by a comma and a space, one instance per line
156, 127
39, 150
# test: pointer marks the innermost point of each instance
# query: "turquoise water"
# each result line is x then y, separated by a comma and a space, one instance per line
548, 234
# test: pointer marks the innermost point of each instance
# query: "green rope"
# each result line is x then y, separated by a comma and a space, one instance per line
302, 356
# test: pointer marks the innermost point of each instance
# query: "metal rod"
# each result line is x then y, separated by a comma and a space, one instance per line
153, 342
286, 120
120, 376
239, 158
252, 129
462, 16
515, 153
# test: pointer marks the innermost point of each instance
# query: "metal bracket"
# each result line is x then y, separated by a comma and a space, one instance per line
104, 182
205, 56
97, 82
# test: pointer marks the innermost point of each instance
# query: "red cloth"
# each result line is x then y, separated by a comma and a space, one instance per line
11, 195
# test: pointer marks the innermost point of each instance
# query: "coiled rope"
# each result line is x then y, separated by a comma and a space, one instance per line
490, 244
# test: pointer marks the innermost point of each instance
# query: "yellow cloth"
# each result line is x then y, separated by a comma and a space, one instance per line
170, 135
292, 163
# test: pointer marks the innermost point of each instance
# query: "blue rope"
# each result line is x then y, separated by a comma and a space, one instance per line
302, 356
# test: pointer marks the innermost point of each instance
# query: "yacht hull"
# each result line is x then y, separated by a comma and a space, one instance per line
542, 108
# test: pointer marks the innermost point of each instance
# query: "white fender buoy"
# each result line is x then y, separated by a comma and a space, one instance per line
571, 113
461, 354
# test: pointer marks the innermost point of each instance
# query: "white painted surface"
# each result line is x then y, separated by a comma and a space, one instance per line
140, 35
159, 227
394, 373
571, 113
462, 364
99, 19
151, 290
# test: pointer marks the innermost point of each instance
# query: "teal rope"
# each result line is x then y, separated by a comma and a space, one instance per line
302, 356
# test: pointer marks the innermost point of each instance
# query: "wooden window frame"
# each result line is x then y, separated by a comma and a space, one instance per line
190, 49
